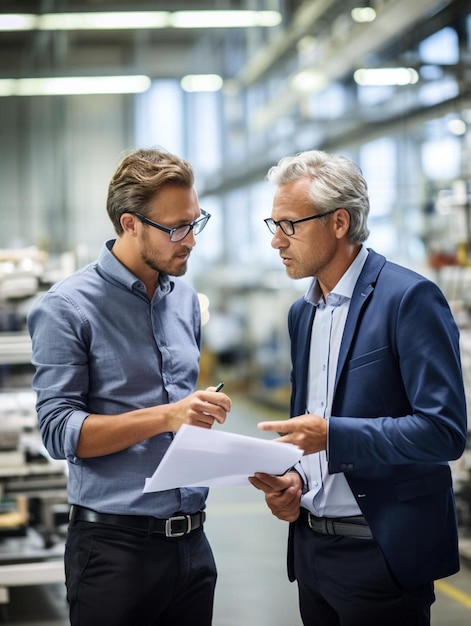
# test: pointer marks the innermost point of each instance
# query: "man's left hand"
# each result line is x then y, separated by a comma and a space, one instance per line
282, 493
308, 432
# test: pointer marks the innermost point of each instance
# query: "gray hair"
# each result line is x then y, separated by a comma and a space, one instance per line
336, 182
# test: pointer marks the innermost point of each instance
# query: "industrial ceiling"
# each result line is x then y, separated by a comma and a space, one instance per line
270, 57
173, 52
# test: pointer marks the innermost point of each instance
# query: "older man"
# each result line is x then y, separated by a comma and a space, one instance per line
378, 407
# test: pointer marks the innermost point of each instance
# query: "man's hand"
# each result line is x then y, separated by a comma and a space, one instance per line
201, 408
282, 493
101, 435
308, 432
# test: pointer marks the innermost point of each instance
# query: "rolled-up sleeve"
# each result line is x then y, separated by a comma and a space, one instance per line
61, 372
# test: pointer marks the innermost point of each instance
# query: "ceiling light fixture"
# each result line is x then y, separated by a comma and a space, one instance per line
308, 81
201, 82
457, 127
386, 76
363, 14
104, 21
74, 85
224, 19
139, 20
17, 21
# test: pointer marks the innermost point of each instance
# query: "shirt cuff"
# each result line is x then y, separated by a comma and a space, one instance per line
73, 428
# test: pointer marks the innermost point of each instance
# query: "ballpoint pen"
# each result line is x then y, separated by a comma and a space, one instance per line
219, 387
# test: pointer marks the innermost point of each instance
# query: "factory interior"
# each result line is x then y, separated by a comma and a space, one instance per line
232, 86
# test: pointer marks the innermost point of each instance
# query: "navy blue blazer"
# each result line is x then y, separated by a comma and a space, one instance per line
398, 415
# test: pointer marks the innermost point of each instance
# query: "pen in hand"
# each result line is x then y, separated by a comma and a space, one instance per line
218, 388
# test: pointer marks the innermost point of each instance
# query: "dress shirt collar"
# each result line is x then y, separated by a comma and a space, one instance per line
343, 290
119, 273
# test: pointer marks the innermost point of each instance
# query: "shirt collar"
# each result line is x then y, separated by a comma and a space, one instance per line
343, 290
119, 273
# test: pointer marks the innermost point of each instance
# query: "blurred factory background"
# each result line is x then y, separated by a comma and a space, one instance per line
232, 86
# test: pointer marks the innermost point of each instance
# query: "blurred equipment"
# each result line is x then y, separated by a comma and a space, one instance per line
33, 487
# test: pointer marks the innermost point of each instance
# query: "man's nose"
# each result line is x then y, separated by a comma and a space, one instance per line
190, 239
279, 239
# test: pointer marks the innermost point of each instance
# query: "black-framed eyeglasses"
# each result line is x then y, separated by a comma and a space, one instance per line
287, 226
180, 232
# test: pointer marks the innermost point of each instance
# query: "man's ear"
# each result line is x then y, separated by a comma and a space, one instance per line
128, 223
342, 222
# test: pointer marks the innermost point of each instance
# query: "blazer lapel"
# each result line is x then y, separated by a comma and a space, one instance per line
303, 347
362, 292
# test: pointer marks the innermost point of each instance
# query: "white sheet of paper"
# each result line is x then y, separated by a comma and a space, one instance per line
209, 457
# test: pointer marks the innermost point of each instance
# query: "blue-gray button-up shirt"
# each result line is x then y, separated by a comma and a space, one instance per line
101, 346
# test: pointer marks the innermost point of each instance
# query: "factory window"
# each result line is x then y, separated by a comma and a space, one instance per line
203, 131
261, 205
441, 158
378, 163
159, 115
441, 48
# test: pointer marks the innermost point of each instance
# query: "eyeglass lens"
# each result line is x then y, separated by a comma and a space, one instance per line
286, 226
182, 231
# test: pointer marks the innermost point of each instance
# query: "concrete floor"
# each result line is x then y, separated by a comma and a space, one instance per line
250, 549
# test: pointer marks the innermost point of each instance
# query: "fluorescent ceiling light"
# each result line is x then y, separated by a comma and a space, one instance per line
201, 82
363, 14
457, 127
20, 21
104, 21
309, 81
224, 19
139, 19
386, 76
74, 85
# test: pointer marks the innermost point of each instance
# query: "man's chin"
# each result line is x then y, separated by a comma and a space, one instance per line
179, 270
293, 274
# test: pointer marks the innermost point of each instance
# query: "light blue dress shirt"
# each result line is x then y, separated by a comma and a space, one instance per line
101, 346
328, 494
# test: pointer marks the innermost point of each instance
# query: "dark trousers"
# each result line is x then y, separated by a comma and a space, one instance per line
344, 581
118, 577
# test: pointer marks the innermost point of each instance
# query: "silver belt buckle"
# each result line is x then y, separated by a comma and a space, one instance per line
317, 525
320, 525
169, 532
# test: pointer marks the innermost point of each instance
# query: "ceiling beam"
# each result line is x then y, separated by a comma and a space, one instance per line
341, 55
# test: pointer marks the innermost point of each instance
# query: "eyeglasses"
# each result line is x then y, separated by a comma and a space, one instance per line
180, 232
287, 226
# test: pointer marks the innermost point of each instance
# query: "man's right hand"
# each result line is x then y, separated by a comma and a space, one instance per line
282, 493
101, 435
201, 408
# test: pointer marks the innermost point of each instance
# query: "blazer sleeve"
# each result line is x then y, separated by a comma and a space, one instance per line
400, 398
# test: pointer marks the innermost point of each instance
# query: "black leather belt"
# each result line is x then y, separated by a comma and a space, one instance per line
344, 526
175, 526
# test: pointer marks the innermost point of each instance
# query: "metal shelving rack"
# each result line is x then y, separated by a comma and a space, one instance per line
32, 547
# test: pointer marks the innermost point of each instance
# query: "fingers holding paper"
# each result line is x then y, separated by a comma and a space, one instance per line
308, 432
282, 493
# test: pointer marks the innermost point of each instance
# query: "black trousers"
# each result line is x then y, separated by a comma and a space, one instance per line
119, 577
345, 581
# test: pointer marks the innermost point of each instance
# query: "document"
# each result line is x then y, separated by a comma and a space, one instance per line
201, 457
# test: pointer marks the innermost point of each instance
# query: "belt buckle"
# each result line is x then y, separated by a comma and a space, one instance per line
169, 532
321, 525
318, 525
